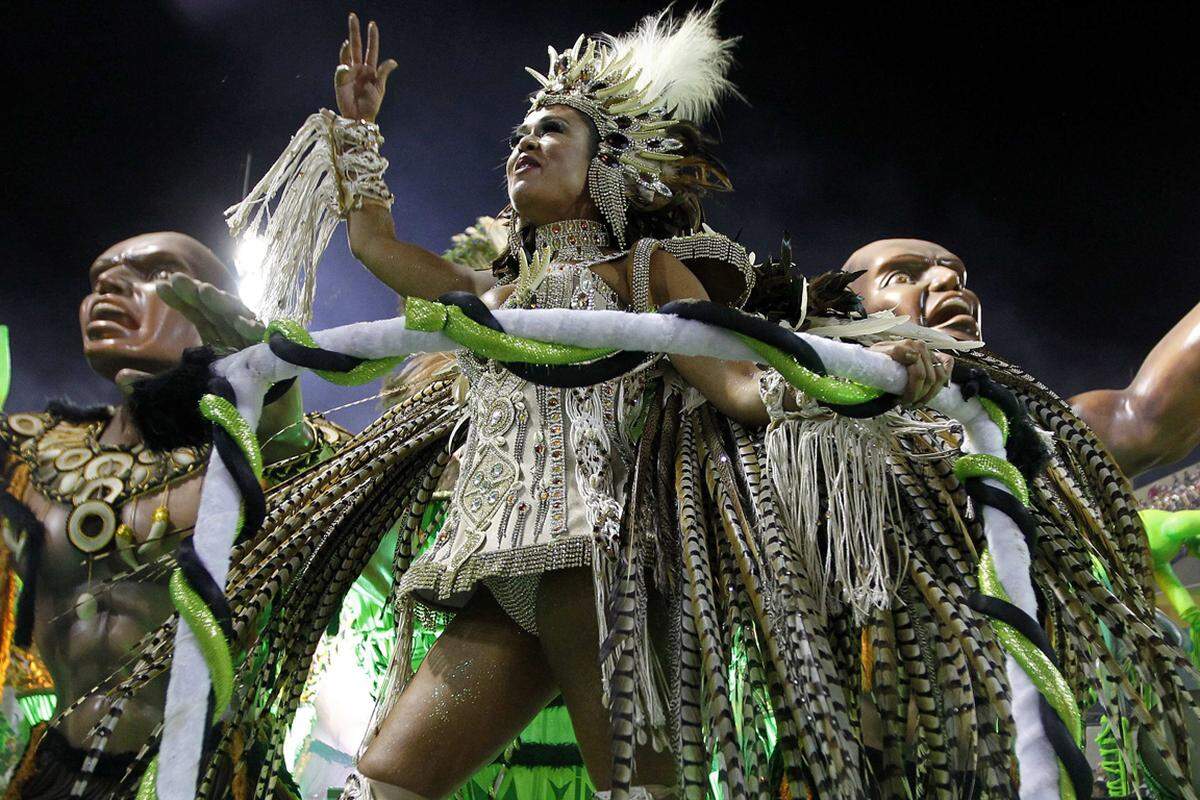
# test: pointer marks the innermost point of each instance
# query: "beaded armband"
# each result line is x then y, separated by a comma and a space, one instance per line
359, 164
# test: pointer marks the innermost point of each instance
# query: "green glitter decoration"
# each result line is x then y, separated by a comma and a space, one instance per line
369, 370
222, 412
985, 465
203, 623
996, 415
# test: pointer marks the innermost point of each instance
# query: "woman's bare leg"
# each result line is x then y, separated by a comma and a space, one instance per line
566, 618
483, 681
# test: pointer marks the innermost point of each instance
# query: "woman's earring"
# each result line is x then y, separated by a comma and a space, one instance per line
514, 235
606, 185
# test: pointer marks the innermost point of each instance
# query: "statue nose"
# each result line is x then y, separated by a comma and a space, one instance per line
111, 282
944, 280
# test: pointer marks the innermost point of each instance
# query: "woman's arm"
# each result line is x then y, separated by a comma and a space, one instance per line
410, 270
733, 386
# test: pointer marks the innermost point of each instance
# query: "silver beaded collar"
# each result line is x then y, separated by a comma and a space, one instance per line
573, 239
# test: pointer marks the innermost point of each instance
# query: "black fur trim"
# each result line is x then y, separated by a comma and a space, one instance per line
65, 409
755, 327
473, 307
777, 336
202, 583
1011, 615
316, 358
253, 499
1078, 769
1024, 447
987, 495
561, 376
277, 391
166, 407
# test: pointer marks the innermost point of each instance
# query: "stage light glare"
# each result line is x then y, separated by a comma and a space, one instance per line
248, 259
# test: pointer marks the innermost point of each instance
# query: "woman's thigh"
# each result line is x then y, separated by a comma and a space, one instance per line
483, 680
566, 618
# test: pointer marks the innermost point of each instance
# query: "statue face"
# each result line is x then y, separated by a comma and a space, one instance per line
125, 325
547, 168
921, 280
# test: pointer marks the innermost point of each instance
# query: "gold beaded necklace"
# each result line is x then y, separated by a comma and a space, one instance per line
69, 464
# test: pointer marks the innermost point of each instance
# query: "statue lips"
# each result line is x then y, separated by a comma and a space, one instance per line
955, 314
110, 318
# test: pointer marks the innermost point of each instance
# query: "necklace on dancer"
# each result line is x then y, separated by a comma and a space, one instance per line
573, 240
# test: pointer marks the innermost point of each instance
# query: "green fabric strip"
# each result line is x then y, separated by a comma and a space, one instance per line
824, 388
1041, 670
213, 647
222, 412
996, 415
985, 465
423, 315
369, 370
146, 789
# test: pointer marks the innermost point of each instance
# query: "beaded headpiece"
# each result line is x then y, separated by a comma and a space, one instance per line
634, 88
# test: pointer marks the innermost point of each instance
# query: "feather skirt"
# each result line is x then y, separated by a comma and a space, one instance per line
768, 685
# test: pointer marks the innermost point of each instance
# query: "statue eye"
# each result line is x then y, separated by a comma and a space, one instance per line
897, 277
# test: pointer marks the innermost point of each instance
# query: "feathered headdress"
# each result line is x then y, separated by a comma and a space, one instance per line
635, 87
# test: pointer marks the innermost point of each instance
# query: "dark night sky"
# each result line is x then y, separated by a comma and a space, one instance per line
1052, 149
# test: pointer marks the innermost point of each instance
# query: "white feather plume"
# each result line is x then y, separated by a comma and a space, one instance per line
684, 62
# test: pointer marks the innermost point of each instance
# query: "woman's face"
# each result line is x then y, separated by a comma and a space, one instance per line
547, 168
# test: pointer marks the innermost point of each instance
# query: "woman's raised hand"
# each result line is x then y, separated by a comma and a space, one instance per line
360, 80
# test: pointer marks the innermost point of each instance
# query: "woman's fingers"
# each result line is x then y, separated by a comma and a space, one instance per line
372, 44
344, 53
386, 70
356, 51
923, 367
918, 378
933, 380
943, 366
927, 371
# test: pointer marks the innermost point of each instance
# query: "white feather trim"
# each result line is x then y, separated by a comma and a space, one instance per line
885, 326
684, 63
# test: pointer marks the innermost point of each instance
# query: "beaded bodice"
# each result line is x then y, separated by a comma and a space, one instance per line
541, 463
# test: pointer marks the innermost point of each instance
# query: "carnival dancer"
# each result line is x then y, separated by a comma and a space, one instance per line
697, 588
90, 496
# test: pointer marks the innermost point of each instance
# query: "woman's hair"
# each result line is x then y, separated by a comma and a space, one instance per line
690, 178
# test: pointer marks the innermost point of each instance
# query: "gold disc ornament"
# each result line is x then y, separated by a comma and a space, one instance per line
92, 525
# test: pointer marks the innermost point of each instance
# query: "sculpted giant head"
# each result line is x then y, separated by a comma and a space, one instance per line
920, 279
125, 325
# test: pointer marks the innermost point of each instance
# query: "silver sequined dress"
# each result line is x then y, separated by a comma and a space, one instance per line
543, 471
